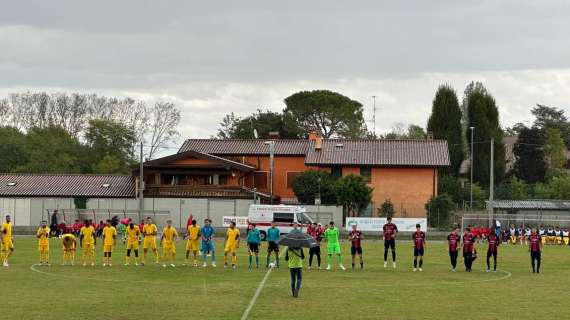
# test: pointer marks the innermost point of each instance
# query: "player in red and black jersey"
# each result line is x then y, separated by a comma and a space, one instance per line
453, 240
492, 249
535, 246
355, 236
419, 239
317, 233
390, 233
468, 249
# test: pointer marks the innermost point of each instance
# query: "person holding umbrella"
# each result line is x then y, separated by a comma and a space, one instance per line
295, 256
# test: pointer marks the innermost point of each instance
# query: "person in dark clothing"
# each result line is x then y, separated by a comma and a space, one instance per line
295, 257
53, 224
469, 253
453, 240
535, 246
493, 247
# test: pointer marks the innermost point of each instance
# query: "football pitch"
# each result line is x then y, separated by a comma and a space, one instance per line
154, 292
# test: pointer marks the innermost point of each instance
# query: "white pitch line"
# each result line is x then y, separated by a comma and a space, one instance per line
258, 291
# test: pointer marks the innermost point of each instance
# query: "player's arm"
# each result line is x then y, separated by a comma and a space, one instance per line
238, 238
395, 231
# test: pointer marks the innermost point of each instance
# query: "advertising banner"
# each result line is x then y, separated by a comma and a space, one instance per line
375, 224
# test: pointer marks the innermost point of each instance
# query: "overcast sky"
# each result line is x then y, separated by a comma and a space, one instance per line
214, 57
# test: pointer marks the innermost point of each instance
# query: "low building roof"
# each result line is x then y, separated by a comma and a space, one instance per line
224, 163
283, 147
66, 185
562, 205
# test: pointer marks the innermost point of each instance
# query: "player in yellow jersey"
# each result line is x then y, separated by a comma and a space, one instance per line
87, 240
149, 232
193, 236
69, 246
168, 242
232, 244
132, 235
109, 238
6, 241
43, 243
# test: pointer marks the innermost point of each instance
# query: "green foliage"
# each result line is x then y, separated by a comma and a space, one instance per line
80, 202
439, 210
105, 137
264, 122
530, 165
483, 115
308, 184
51, 149
452, 186
330, 113
445, 123
552, 118
353, 193
12, 149
387, 209
558, 188
554, 149
109, 165
512, 189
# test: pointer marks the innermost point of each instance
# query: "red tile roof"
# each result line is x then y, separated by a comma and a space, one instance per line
246, 147
425, 153
66, 185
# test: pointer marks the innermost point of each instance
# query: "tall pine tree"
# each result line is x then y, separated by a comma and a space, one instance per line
445, 123
483, 115
530, 165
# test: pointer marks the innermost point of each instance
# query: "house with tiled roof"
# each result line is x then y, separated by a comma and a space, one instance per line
401, 171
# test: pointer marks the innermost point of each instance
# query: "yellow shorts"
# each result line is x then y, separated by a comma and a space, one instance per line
149, 243
88, 247
107, 248
133, 245
68, 248
232, 248
566, 240
43, 248
168, 248
7, 245
192, 245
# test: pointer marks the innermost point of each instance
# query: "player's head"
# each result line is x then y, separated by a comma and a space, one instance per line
314, 224
169, 223
206, 222
273, 224
131, 225
8, 218
232, 224
194, 222
389, 219
87, 222
533, 230
108, 222
354, 227
44, 223
467, 229
418, 227
253, 225
148, 220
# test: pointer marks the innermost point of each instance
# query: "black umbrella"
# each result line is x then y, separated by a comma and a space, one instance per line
297, 240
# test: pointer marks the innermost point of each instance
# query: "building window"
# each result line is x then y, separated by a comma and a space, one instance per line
260, 180
336, 172
291, 175
366, 173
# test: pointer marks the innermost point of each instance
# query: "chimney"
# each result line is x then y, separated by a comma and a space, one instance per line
316, 137
273, 135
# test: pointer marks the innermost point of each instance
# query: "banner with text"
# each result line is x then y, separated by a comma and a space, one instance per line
376, 224
241, 222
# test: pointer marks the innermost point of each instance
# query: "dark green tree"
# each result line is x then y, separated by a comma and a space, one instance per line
483, 115
264, 122
309, 184
52, 149
387, 208
439, 210
353, 193
555, 151
12, 149
530, 164
106, 137
445, 123
330, 113
552, 118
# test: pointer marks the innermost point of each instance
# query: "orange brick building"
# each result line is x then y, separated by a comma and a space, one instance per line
402, 171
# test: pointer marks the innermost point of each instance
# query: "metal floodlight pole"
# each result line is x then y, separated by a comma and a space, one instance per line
141, 183
471, 165
491, 183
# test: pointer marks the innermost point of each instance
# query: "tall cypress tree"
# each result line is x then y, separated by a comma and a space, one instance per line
445, 123
483, 115
530, 164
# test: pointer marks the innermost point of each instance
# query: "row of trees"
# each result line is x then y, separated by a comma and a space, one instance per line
153, 125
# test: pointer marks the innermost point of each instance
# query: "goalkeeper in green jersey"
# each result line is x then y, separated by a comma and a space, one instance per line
332, 235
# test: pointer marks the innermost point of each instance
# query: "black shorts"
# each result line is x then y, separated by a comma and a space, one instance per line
315, 250
390, 244
491, 253
418, 252
272, 246
253, 247
355, 250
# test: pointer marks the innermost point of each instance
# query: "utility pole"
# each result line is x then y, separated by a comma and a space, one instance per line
141, 183
271, 165
491, 183
471, 165
374, 114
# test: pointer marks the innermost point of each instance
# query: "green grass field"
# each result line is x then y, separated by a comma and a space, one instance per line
153, 292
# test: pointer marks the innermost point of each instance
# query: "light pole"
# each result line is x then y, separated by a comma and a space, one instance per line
471, 165
271, 160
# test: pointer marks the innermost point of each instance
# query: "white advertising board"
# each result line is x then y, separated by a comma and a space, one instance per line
241, 222
376, 224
